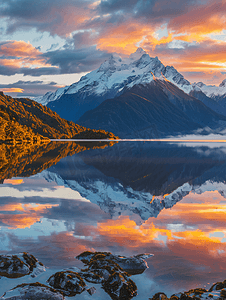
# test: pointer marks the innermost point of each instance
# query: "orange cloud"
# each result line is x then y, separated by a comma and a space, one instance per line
12, 90
69, 18
122, 39
18, 49
200, 20
125, 232
13, 181
126, 37
21, 54
13, 63
30, 214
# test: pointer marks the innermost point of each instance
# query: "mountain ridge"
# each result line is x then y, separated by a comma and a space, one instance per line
25, 119
116, 77
153, 110
109, 81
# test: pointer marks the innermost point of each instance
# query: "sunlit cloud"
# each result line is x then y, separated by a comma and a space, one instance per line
186, 34
25, 215
19, 55
29, 88
18, 49
13, 181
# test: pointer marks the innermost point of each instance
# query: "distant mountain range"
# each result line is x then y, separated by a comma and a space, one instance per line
26, 120
141, 97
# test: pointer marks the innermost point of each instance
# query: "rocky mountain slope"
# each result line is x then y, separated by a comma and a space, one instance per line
152, 110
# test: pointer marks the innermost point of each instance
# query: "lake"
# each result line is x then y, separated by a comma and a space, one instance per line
127, 198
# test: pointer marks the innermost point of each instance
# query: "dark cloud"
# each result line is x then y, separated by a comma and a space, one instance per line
110, 6
39, 71
147, 10
163, 8
72, 58
8, 71
30, 88
84, 39
63, 17
55, 16
76, 61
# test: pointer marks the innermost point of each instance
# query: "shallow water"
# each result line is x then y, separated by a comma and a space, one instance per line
130, 198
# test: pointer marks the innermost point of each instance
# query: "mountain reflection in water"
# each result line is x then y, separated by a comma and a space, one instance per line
127, 190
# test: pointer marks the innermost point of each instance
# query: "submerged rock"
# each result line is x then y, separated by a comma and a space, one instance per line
15, 266
113, 272
34, 291
159, 296
217, 292
91, 290
132, 265
218, 286
119, 286
69, 282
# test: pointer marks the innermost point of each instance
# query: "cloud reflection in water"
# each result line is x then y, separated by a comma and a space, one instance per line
183, 238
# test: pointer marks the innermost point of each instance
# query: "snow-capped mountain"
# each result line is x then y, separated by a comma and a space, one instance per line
110, 80
51, 96
117, 73
211, 95
172, 108
154, 110
211, 90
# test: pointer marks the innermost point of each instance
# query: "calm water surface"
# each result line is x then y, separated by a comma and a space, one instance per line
128, 198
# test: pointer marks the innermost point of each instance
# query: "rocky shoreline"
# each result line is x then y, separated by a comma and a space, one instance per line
110, 272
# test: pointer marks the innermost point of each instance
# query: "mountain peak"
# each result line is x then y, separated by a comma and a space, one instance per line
223, 83
117, 73
111, 63
137, 54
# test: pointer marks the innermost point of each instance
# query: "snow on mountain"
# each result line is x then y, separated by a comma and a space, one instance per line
117, 200
117, 73
211, 90
51, 96
112, 197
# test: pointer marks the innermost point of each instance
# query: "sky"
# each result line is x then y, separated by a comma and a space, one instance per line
45, 45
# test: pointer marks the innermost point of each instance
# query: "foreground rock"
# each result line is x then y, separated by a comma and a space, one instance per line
34, 291
15, 266
111, 271
69, 282
102, 268
132, 265
217, 291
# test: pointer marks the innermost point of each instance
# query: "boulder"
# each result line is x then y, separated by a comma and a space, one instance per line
15, 266
132, 265
34, 291
103, 268
68, 282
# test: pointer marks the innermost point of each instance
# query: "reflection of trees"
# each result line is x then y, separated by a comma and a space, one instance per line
26, 160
